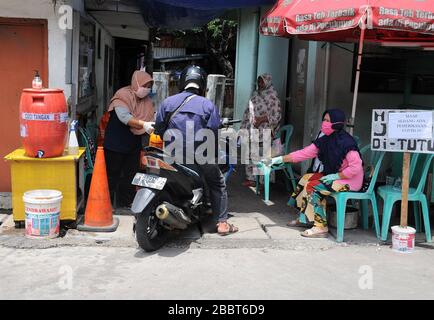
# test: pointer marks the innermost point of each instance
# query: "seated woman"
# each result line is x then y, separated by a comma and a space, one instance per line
343, 171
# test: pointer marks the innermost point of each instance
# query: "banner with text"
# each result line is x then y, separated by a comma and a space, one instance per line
307, 17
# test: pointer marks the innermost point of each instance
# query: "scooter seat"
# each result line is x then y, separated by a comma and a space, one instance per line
198, 182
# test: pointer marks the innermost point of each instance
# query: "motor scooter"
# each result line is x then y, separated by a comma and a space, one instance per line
169, 196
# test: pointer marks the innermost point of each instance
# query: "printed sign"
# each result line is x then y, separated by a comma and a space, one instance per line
312, 17
61, 117
402, 130
38, 116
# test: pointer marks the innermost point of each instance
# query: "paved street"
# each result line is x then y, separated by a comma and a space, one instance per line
265, 260
128, 273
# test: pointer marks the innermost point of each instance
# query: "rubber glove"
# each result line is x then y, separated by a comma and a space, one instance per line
277, 160
149, 127
272, 161
225, 121
330, 178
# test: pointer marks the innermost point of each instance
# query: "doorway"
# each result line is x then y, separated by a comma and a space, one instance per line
24, 50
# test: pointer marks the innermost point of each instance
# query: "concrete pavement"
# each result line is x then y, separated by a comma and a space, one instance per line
262, 225
265, 260
185, 273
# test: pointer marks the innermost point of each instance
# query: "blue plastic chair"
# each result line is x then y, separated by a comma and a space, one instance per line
341, 198
285, 131
390, 196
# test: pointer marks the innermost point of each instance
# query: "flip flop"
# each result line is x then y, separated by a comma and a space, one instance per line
315, 232
232, 229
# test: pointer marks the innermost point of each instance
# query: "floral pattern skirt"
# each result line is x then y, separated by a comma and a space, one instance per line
310, 198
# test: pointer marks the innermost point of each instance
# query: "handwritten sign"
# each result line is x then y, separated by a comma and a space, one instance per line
402, 130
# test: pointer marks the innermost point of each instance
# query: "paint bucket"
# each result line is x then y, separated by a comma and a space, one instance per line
351, 218
42, 209
403, 239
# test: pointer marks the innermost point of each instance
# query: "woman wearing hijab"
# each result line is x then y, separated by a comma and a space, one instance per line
264, 112
343, 171
131, 112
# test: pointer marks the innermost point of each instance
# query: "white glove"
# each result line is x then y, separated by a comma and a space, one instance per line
149, 127
225, 121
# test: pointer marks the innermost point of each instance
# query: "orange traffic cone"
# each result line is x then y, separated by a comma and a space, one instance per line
99, 214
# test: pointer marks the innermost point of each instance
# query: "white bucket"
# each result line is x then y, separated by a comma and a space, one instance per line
42, 208
403, 239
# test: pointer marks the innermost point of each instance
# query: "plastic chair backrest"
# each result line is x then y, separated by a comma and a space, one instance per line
86, 145
413, 163
287, 131
422, 180
374, 164
365, 149
357, 140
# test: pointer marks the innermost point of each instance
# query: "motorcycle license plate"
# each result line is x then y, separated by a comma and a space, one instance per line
149, 181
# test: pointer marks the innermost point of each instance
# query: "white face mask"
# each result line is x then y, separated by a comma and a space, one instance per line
142, 92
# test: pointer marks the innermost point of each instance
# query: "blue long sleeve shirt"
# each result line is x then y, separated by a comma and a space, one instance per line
199, 111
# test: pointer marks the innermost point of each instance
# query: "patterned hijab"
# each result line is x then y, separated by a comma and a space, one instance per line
268, 95
334, 148
262, 99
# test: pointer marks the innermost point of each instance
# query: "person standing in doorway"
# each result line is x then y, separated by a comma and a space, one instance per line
131, 114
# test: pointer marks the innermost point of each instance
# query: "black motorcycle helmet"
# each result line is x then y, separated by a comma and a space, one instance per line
194, 76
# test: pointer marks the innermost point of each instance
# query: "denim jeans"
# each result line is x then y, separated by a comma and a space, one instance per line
216, 185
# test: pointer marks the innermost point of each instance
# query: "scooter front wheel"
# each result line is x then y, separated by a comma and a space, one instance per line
150, 234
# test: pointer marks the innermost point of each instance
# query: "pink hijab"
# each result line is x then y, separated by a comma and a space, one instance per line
142, 109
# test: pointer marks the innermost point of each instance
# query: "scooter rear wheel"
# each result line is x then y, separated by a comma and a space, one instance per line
150, 234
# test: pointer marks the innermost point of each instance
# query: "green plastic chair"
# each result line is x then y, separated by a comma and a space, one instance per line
414, 159
357, 140
285, 131
390, 196
85, 143
341, 198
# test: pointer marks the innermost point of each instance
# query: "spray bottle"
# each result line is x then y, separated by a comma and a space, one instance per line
73, 142
37, 81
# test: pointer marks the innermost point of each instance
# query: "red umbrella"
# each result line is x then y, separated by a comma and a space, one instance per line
401, 22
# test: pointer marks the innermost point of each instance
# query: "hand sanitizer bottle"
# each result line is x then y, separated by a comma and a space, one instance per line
73, 147
37, 81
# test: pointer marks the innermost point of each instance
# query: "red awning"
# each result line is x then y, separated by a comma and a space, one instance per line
341, 21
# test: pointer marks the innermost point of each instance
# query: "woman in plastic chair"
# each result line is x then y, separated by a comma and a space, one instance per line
343, 171
263, 112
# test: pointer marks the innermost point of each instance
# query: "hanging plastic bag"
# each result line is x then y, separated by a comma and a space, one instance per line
102, 126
